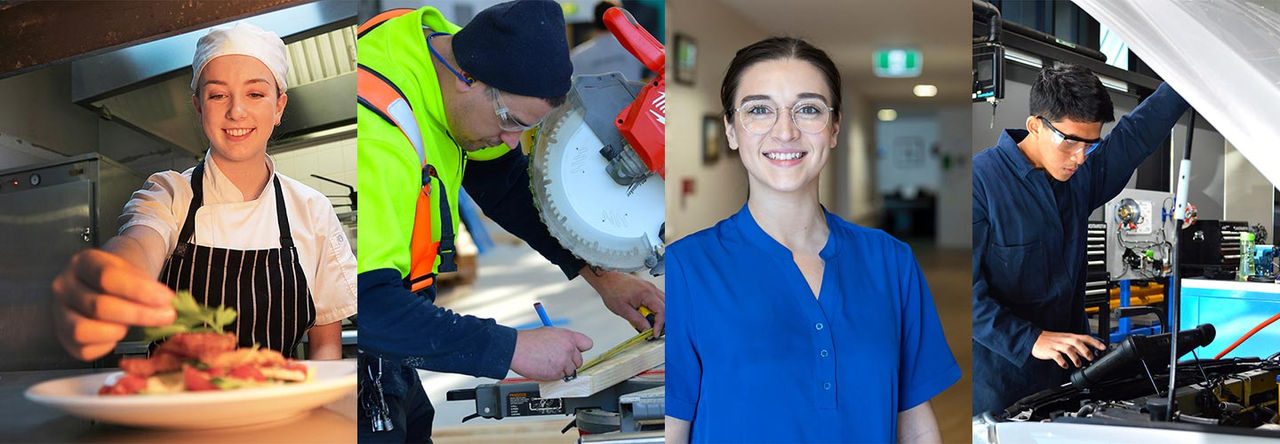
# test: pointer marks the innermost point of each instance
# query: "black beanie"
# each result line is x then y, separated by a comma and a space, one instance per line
517, 47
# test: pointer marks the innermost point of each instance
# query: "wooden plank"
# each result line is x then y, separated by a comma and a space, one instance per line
624, 366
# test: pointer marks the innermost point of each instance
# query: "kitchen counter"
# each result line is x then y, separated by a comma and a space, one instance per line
25, 421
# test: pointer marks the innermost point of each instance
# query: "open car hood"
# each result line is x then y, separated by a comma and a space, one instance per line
1222, 56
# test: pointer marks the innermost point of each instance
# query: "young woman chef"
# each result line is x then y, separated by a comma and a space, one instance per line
231, 229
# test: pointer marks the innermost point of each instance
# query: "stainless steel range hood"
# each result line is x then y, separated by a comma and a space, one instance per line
146, 86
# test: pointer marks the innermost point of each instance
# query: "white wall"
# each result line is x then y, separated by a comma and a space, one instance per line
854, 189
334, 160
1247, 195
955, 199
720, 188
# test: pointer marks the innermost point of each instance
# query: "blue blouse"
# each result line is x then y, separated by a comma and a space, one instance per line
753, 357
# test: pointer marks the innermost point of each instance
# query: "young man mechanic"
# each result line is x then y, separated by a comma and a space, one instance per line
1032, 196
437, 101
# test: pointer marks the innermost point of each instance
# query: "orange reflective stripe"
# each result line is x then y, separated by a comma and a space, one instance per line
423, 248
379, 19
380, 96
377, 94
376, 91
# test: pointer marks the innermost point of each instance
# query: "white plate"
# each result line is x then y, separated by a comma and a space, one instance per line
78, 395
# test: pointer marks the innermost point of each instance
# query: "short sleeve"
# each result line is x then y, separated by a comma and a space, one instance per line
684, 367
334, 291
157, 205
926, 366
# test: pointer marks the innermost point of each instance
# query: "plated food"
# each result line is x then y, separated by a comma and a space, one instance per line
197, 356
331, 383
194, 362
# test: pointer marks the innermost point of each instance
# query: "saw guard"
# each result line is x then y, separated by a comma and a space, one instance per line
611, 226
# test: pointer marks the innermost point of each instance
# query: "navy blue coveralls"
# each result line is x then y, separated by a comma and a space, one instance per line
1029, 248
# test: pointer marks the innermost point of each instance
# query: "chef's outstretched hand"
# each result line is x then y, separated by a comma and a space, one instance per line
623, 294
98, 296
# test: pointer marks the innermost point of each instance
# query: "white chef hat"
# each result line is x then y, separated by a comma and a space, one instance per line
242, 39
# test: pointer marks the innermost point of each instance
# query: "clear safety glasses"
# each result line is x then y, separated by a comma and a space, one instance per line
1070, 145
759, 116
505, 120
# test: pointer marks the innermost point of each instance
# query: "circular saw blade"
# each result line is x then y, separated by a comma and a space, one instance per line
610, 226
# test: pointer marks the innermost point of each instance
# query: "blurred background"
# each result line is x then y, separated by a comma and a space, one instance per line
902, 164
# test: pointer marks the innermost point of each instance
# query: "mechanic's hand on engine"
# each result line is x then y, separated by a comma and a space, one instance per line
98, 296
548, 353
624, 294
1065, 348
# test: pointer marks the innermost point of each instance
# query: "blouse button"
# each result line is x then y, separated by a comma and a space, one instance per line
823, 353
826, 386
818, 326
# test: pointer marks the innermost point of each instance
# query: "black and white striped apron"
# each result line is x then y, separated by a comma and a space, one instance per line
266, 287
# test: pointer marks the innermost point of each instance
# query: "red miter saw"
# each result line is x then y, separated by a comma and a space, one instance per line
598, 164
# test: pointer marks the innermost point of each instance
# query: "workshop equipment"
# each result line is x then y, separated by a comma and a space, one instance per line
645, 335
1246, 257
633, 405
630, 358
1264, 267
597, 166
1141, 235
597, 171
1138, 353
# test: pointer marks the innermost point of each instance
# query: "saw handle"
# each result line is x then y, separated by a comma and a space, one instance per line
635, 39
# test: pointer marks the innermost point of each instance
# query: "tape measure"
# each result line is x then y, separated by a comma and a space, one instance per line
643, 336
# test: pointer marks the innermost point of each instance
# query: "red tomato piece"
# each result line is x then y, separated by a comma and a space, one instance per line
197, 380
247, 372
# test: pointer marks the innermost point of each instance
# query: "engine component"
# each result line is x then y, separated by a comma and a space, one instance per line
1137, 353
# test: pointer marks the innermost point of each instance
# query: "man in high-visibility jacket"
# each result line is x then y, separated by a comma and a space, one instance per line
439, 108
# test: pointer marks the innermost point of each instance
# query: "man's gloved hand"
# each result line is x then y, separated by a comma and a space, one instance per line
624, 294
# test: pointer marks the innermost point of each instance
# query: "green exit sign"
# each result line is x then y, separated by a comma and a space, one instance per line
897, 62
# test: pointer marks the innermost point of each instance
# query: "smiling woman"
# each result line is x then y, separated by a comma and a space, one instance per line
231, 230
804, 329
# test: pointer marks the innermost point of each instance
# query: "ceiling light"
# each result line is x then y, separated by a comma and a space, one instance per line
925, 90
887, 115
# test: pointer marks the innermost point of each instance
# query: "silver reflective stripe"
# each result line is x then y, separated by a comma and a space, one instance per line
400, 112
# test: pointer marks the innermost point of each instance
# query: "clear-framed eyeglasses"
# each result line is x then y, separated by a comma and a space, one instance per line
505, 120
1070, 145
758, 117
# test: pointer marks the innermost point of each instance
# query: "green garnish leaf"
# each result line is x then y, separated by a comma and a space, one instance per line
192, 317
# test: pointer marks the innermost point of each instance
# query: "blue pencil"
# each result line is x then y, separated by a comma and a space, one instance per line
542, 313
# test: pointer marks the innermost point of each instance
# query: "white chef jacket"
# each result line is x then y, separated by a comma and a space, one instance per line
226, 220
